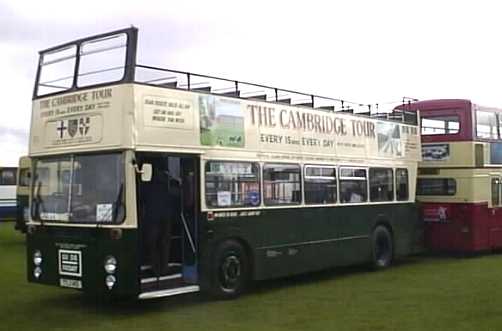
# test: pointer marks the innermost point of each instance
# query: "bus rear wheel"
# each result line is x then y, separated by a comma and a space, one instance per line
383, 249
230, 270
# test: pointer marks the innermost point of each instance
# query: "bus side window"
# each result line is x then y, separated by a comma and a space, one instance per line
281, 184
353, 185
7, 177
381, 184
232, 184
320, 184
436, 186
402, 184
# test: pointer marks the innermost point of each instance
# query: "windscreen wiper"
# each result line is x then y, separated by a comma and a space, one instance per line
118, 201
37, 201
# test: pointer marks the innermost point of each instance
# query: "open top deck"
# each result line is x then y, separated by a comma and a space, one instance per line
111, 58
91, 95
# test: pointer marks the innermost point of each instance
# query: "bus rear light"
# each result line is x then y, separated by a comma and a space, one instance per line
210, 216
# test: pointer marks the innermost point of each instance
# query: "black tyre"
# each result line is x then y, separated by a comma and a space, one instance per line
383, 248
230, 270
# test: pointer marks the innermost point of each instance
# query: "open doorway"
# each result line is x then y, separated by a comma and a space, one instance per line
167, 222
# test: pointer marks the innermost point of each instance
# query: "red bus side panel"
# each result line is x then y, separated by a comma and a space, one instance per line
462, 227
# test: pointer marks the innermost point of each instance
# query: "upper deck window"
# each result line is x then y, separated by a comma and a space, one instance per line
440, 125
102, 60
486, 125
57, 70
107, 58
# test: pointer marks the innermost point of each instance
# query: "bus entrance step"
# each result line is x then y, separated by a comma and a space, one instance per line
169, 292
163, 282
147, 270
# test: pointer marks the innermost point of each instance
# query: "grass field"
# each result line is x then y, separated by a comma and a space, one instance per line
419, 293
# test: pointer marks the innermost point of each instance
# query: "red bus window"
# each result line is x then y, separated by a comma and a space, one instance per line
486, 125
440, 125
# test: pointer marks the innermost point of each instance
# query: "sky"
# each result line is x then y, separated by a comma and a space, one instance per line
366, 51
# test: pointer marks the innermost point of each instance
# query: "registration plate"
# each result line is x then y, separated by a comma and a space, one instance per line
72, 283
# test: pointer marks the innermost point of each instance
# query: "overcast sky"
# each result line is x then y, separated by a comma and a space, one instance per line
367, 51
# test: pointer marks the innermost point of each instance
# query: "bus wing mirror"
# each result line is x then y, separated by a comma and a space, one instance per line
146, 172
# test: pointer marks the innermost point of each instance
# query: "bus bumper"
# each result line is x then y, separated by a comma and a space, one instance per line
75, 258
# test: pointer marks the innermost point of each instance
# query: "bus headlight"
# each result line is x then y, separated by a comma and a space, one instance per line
37, 272
110, 264
37, 258
110, 281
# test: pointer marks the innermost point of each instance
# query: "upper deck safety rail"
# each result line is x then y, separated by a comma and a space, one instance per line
111, 59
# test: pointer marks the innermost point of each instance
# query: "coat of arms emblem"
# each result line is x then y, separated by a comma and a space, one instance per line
84, 125
72, 127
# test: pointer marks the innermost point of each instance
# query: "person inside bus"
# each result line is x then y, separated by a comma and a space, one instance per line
355, 197
351, 192
161, 205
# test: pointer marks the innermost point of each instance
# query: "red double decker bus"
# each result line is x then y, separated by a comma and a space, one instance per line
459, 178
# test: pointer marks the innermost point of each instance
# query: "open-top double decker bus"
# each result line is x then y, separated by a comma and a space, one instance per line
7, 193
150, 182
459, 180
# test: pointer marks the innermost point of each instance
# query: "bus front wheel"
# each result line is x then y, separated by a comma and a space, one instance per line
230, 270
383, 250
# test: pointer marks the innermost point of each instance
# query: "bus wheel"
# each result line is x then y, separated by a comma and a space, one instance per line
383, 250
230, 271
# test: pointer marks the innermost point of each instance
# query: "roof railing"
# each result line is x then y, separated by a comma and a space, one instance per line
225, 87
83, 63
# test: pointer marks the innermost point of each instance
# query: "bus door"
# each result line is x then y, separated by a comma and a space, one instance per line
168, 222
495, 214
189, 193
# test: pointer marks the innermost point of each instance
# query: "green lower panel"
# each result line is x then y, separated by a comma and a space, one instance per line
295, 240
74, 257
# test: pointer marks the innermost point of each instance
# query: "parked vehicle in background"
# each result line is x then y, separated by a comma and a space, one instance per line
8, 193
460, 176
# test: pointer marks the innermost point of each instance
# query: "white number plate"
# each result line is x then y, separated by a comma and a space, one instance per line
73, 283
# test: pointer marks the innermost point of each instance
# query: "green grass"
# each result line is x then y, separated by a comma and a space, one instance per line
419, 293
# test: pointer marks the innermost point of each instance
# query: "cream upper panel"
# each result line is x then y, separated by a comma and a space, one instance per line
168, 119
452, 154
85, 120
132, 116
460, 154
472, 185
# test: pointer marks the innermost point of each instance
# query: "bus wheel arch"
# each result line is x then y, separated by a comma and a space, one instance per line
230, 268
382, 245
